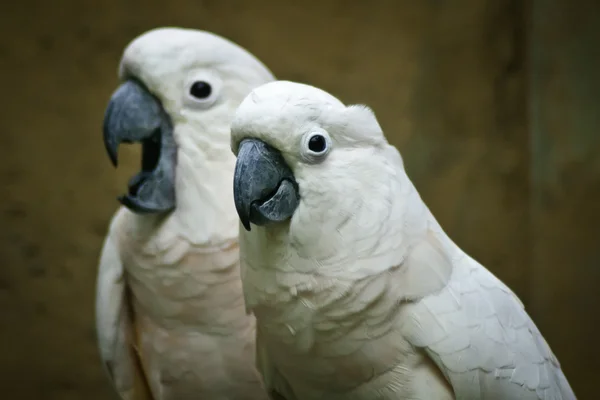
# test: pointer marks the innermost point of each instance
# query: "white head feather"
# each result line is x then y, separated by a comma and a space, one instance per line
167, 61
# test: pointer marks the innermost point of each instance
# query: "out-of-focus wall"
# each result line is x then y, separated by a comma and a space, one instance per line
565, 189
497, 133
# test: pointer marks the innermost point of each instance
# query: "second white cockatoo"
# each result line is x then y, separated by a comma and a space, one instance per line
358, 292
171, 320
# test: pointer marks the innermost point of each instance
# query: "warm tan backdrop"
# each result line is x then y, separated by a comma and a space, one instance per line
494, 104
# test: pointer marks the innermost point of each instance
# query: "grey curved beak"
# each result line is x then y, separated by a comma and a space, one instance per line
264, 188
135, 115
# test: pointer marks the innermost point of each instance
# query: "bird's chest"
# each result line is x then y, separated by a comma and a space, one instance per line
158, 285
184, 286
322, 357
193, 364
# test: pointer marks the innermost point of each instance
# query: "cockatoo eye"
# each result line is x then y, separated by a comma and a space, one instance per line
200, 90
317, 143
316, 146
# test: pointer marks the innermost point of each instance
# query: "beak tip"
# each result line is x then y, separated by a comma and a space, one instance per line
243, 214
114, 160
111, 149
246, 224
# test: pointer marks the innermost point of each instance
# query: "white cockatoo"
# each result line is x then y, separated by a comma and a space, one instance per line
170, 313
358, 292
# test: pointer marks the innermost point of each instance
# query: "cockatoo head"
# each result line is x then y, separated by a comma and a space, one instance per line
304, 155
179, 93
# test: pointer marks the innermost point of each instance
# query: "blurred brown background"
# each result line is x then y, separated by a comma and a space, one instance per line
493, 103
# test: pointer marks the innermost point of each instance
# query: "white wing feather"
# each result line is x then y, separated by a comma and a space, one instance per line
477, 332
113, 323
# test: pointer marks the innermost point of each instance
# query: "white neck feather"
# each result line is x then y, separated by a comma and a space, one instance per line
204, 215
332, 243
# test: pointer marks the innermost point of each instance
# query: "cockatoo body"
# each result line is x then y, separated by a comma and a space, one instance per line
358, 292
171, 319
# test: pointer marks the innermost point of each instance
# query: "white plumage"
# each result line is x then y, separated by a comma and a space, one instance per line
361, 295
171, 319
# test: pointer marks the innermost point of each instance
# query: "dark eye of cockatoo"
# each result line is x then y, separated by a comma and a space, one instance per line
316, 146
200, 90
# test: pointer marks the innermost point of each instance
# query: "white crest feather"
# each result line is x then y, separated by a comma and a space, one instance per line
359, 125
